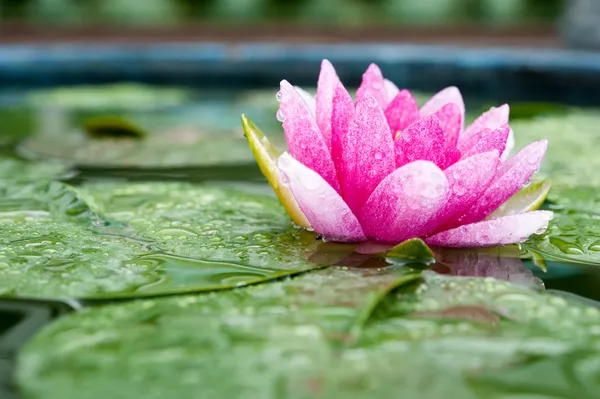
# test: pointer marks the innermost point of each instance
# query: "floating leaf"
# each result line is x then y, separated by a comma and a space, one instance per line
202, 131
112, 126
412, 250
108, 97
572, 237
124, 240
321, 335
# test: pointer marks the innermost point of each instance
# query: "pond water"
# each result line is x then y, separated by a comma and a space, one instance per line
127, 191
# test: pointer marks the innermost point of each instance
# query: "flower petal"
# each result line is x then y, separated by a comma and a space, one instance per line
390, 89
467, 181
402, 111
405, 203
367, 153
326, 211
510, 145
492, 119
326, 85
511, 176
342, 113
302, 134
437, 101
424, 140
451, 118
308, 98
373, 84
266, 157
489, 140
501, 231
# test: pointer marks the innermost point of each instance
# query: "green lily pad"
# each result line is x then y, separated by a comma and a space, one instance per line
129, 240
189, 146
17, 123
412, 250
112, 126
330, 333
572, 237
14, 170
202, 131
114, 96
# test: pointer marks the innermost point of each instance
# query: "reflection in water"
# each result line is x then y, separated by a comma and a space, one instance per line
502, 263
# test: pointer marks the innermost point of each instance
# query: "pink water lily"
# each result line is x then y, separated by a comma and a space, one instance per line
382, 169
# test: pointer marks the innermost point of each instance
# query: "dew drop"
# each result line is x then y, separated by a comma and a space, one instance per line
278, 96
280, 116
527, 183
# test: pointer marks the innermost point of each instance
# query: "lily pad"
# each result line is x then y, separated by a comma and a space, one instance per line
571, 237
202, 131
114, 96
112, 126
124, 240
13, 170
412, 250
330, 333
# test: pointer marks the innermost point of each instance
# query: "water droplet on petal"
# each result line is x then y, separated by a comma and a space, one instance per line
280, 116
278, 96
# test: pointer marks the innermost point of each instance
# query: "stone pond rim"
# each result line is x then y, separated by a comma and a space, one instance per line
504, 74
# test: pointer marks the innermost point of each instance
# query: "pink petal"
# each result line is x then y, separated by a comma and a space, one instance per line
308, 98
451, 118
373, 84
511, 176
302, 134
405, 203
367, 153
467, 181
424, 140
326, 211
402, 111
326, 85
391, 89
342, 113
489, 140
501, 231
448, 95
492, 119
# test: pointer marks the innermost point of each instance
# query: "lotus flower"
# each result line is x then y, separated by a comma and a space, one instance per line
380, 169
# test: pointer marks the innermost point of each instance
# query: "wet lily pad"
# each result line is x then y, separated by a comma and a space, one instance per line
122, 240
112, 126
202, 131
330, 333
13, 170
572, 237
189, 146
114, 96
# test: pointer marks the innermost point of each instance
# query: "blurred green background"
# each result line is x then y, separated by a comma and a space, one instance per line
338, 12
